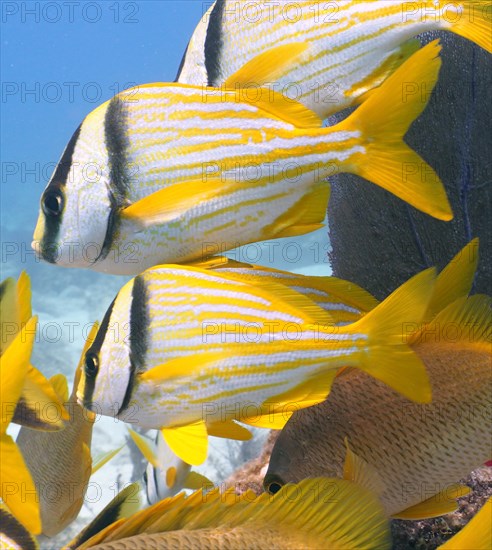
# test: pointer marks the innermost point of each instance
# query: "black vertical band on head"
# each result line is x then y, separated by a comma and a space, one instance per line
117, 145
15, 531
139, 324
58, 182
95, 348
214, 44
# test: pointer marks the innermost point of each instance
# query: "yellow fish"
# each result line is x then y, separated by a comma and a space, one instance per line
191, 351
17, 489
354, 45
60, 462
419, 451
315, 513
39, 406
161, 170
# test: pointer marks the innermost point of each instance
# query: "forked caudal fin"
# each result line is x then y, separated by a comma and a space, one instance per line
471, 19
388, 357
384, 119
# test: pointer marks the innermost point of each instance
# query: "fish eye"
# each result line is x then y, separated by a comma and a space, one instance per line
52, 203
274, 487
91, 364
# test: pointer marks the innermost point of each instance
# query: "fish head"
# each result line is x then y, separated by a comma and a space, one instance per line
105, 384
76, 206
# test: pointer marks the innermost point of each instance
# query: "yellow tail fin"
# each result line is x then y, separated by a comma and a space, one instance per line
388, 357
384, 119
473, 22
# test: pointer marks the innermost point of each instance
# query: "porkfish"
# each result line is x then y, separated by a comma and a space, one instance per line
60, 462
166, 474
164, 172
315, 513
354, 45
38, 406
191, 351
418, 451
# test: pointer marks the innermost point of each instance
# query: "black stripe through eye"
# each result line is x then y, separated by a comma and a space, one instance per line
91, 364
52, 202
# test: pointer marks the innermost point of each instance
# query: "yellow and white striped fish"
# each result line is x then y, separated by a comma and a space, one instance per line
161, 170
355, 44
190, 351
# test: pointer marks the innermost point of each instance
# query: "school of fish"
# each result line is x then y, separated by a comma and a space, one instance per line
382, 409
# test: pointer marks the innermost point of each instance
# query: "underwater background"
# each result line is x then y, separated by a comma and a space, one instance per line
60, 60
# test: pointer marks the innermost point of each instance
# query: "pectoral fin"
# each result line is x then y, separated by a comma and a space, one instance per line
442, 503
180, 367
359, 471
190, 443
40, 406
101, 460
172, 202
268, 66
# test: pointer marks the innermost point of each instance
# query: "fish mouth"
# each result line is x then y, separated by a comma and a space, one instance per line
37, 248
46, 253
273, 483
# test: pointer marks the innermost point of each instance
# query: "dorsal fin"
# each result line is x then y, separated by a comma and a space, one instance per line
455, 280
332, 513
468, 318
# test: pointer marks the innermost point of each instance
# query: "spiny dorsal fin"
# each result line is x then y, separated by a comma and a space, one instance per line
467, 321
455, 280
13, 535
